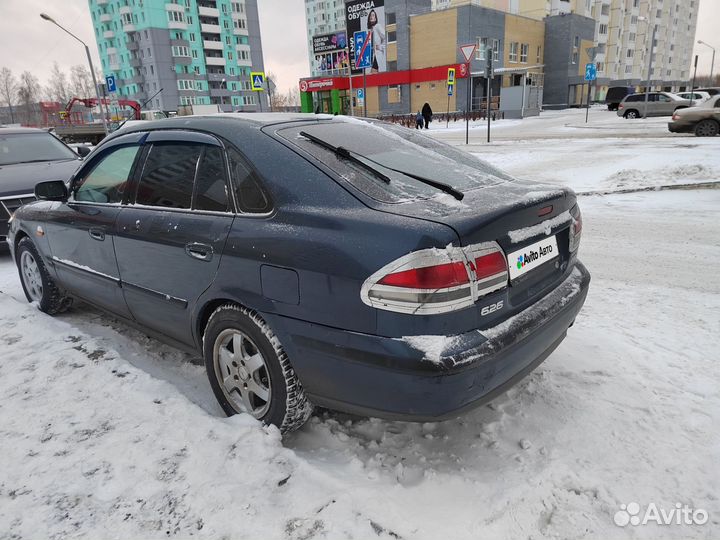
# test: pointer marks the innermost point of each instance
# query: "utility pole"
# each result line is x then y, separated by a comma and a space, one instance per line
489, 76
692, 87
712, 63
650, 62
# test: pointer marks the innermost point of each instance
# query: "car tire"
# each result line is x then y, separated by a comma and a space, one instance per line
707, 128
631, 114
258, 378
36, 281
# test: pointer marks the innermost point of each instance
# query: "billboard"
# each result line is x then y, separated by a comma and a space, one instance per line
367, 16
328, 43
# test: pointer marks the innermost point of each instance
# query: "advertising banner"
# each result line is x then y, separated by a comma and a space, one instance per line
328, 43
367, 16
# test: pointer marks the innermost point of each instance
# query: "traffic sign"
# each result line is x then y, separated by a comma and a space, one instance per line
451, 77
450, 89
257, 81
363, 50
361, 94
111, 83
468, 51
590, 71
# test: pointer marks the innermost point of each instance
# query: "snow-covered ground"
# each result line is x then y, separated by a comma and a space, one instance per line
105, 433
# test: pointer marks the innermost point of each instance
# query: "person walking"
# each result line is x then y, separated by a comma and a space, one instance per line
427, 115
419, 120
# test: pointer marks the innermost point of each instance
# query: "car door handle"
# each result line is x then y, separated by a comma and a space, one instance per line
199, 251
97, 234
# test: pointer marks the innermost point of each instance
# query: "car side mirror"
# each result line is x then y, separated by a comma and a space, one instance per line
55, 190
83, 150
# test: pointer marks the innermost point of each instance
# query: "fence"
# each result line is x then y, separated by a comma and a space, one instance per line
408, 120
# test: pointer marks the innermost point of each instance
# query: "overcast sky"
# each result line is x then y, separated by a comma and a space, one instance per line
28, 42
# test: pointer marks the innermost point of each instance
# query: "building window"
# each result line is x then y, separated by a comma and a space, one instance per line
482, 44
539, 54
575, 57
176, 16
496, 50
391, 36
192, 38
390, 18
524, 48
513, 57
603, 29
394, 93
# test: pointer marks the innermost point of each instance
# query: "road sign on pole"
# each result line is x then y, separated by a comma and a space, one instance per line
451, 77
468, 51
363, 50
257, 81
590, 71
361, 95
450, 89
111, 83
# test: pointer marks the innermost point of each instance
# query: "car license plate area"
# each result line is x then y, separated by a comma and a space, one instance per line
530, 257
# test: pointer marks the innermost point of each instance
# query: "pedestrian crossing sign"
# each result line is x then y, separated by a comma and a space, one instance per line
257, 81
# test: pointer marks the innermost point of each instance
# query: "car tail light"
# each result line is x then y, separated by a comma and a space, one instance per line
575, 228
675, 116
621, 106
432, 281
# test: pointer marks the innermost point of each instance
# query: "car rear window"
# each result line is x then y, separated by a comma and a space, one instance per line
396, 147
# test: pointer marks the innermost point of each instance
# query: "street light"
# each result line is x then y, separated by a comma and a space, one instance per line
712, 64
222, 98
652, 48
92, 69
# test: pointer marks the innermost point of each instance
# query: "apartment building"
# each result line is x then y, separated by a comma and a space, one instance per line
322, 17
181, 52
623, 33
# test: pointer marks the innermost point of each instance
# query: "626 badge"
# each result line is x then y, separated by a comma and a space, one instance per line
492, 308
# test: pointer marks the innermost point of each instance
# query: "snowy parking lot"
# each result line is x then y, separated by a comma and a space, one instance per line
106, 433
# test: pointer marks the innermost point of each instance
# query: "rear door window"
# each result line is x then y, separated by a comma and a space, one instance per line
107, 180
184, 175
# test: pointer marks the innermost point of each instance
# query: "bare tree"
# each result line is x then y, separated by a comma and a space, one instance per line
58, 88
293, 97
81, 82
8, 90
29, 93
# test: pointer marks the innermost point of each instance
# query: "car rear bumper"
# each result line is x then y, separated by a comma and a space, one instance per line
390, 378
675, 127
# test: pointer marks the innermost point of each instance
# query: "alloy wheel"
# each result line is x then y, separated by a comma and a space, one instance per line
32, 278
242, 372
707, 129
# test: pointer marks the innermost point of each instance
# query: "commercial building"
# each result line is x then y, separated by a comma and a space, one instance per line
541, 48
422, 44
180, 52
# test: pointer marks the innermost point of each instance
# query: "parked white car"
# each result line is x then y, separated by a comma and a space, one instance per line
696, 96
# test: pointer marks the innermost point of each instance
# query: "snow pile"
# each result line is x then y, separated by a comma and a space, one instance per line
544, 227
431, 346
664, 176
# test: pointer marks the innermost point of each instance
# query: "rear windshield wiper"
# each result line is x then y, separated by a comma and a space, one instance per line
344, 153
349, 154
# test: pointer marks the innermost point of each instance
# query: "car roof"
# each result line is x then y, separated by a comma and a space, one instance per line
228, 125
20, 130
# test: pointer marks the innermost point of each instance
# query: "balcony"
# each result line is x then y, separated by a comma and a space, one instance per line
137, 79
102, 2
177, 25
213, 45
128, 28
174, 7
114, 66
215, 61
216, 77
125, 10
105, 17
246, 63
132, 45
210, 28
240, 31
135, 62
179, 43
220, 92
208, 12
108, 34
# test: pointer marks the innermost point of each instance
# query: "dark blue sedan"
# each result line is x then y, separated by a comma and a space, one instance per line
313, 260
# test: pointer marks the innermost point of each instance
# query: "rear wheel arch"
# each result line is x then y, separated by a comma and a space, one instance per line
18, 237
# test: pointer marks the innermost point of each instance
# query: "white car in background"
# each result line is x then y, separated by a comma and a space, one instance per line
696, 96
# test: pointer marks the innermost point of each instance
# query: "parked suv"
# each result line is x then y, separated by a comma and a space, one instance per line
315, 260
29, 156
659, 104
615, 95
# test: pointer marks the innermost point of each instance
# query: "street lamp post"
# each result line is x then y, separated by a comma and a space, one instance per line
712, 63
92, 69
650, 62
222, 98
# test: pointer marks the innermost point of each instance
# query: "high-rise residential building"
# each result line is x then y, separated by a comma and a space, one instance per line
623, 31
322, 17
180, 52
